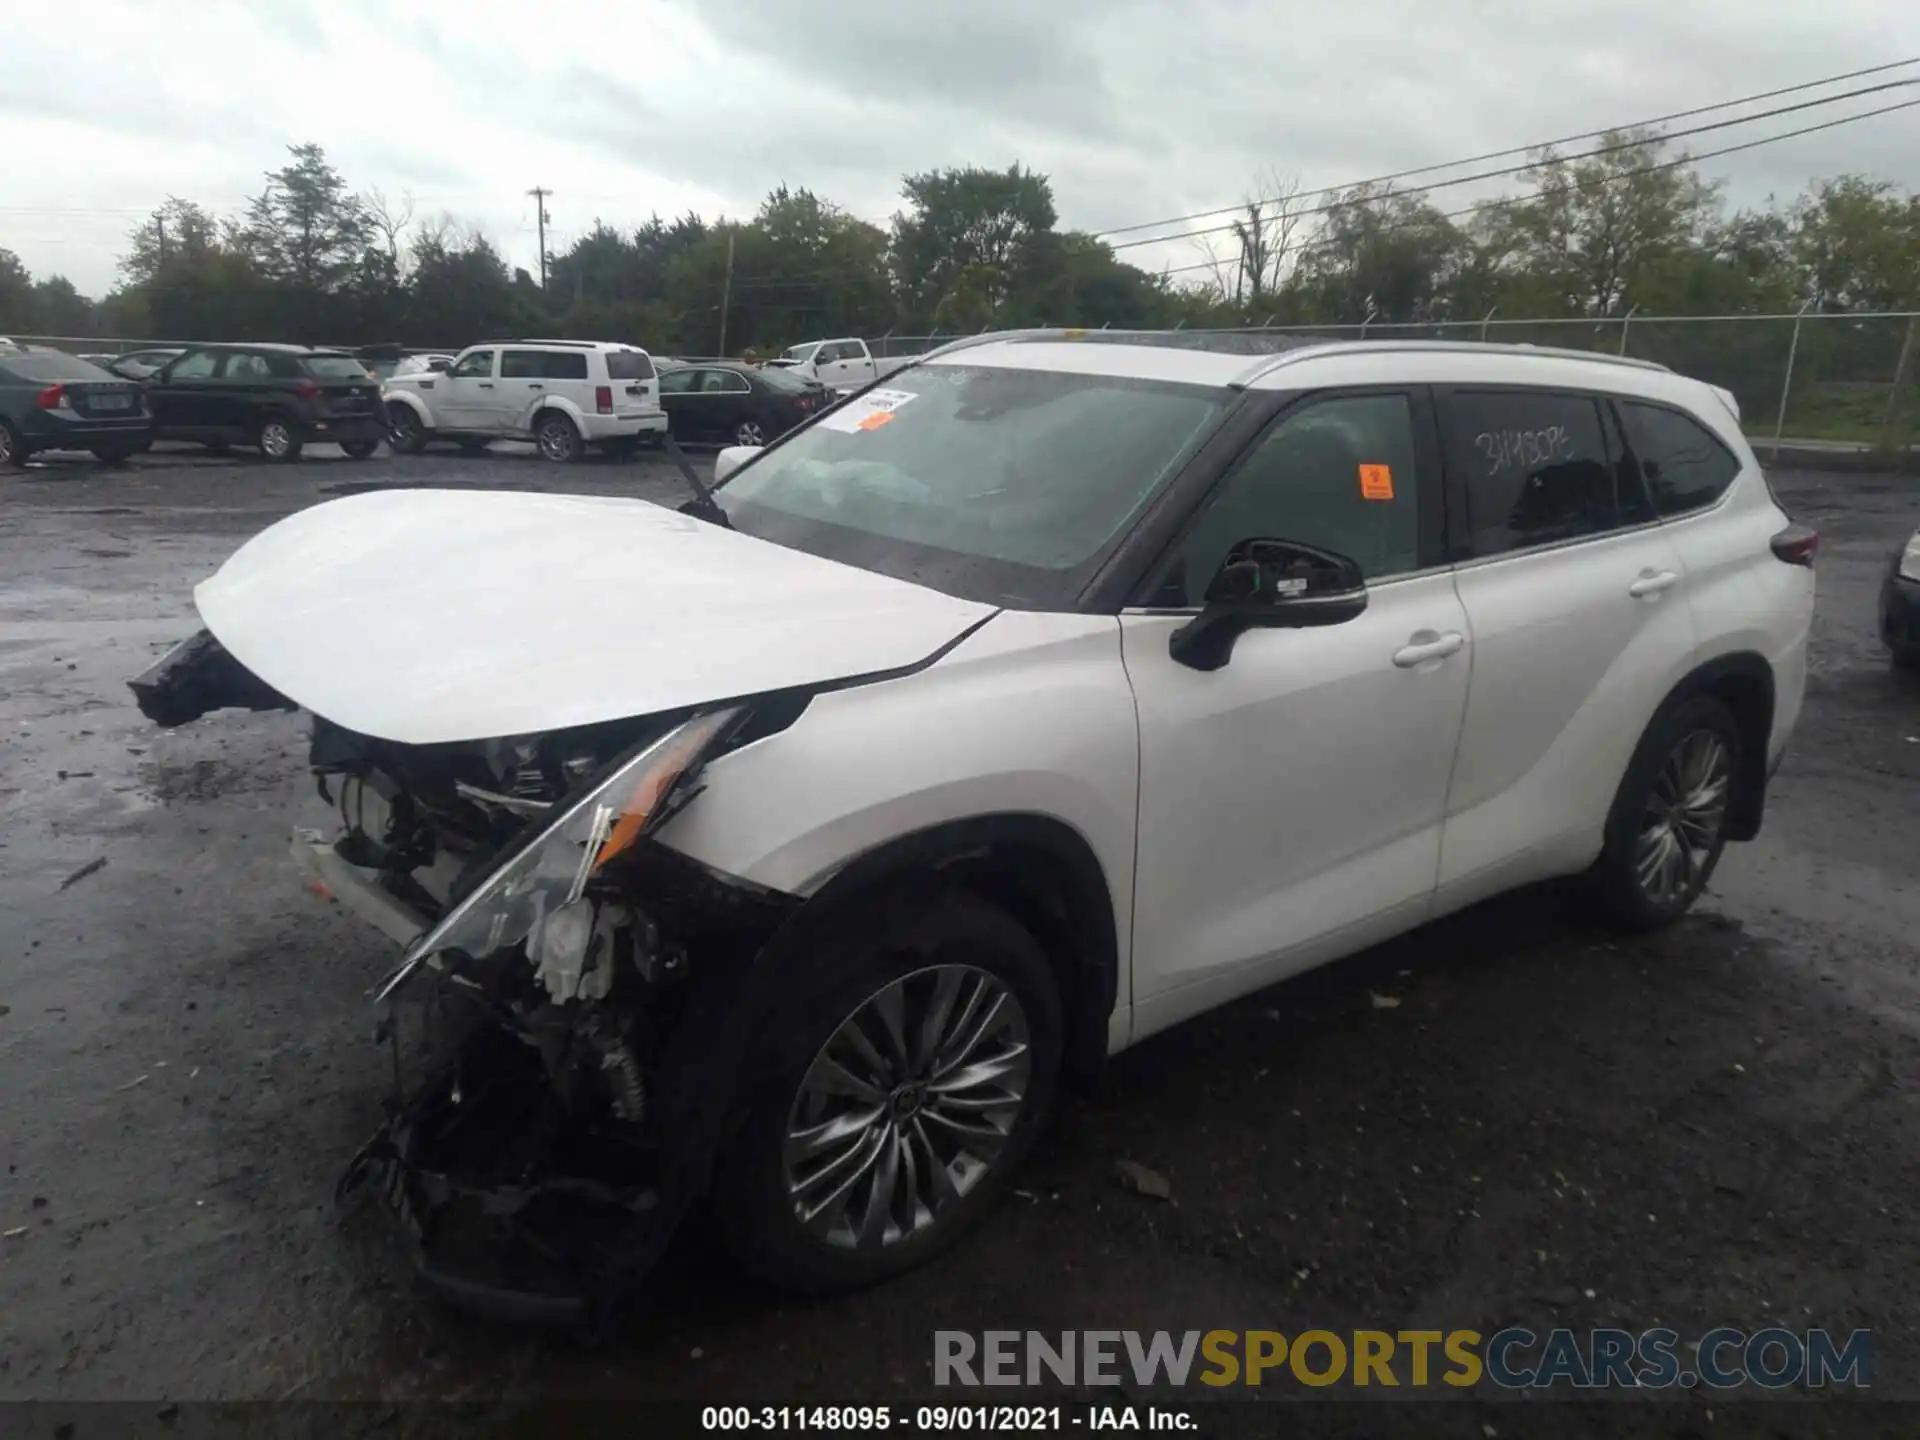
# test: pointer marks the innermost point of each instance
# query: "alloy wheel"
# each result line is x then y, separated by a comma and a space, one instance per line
6, 446
1686, 813
750, 433
907, 1107
275, 439
556, 440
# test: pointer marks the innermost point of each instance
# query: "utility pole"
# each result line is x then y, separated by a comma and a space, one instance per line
539, 194
160, 233
726, 296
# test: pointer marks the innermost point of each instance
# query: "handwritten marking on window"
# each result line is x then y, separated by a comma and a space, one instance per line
1506, 449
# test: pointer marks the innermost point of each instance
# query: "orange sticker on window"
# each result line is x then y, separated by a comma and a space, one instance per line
1376, 482
876, 420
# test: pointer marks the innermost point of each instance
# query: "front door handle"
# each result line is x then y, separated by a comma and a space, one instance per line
536, 386
1652, 583
486, 384
1425, 645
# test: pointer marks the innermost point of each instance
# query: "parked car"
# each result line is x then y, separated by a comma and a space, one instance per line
278, 398
141, 364
50, 400
1900, 606
564, 395
736, 403
838, 364
793, 850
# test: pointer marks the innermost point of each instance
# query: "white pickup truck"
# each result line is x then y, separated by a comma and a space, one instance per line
841, 365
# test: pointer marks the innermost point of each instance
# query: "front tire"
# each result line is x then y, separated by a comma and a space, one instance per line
558, 439
359, 449
278, 440
1668, 825
112, 454
405, 432
911, 1069
13, 451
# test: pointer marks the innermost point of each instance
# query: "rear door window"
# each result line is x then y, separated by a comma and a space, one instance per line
523, 364
629, 365
1535, 467
245, 366
1686, 466
677, 382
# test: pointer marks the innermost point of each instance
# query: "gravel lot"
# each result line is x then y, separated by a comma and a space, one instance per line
1717, 1125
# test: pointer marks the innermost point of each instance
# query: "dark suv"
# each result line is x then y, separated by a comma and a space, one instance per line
277, 397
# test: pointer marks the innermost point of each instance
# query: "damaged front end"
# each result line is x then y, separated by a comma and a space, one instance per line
541, 1006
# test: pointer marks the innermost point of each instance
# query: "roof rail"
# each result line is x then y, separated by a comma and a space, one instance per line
1270, 363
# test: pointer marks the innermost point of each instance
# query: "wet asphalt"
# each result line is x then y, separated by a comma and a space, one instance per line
1715, 1125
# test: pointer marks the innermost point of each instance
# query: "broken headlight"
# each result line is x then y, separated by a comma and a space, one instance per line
536, 896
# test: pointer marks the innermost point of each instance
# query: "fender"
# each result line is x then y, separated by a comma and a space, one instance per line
413, 401
1743, 681
551, 402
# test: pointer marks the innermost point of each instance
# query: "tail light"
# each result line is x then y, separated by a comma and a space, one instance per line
51, 398
308, 390
1796, 545
603, 399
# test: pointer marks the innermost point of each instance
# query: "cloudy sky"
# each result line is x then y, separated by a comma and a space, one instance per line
1137, 109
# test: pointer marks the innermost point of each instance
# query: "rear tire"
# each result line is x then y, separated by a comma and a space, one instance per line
112, 454
359, 449
910, 1181
558, 439
13, 451
1668, 826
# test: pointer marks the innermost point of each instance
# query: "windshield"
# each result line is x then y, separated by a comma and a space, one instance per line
1008, 486
53, 365
800, 354
336, 367
785, 383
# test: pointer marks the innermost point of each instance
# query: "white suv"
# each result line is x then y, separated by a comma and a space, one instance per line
564, 395
792, 848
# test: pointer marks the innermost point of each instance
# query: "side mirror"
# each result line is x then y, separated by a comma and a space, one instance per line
1269, 584
731, 459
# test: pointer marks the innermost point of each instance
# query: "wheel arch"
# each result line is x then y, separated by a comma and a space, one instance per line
412, 402
1743, 681
558, 405
1039, 869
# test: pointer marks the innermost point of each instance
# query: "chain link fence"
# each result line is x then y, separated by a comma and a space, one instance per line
1844, 380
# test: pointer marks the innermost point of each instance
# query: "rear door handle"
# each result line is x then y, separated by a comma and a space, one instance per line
1424, 645
486, 384
1650, 583
536, 386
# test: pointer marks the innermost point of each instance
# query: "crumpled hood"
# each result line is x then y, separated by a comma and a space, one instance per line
428, 616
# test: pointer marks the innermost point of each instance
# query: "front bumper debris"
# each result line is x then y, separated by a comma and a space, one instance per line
488, 1179
198, 676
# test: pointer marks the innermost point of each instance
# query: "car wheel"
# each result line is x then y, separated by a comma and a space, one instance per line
112, 454
359, 449
1668, 825
405, 433
473, 446
12, 451
558, 439
749, 432
913, 1066
278, 440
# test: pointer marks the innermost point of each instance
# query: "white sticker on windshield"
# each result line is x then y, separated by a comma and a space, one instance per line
869, 412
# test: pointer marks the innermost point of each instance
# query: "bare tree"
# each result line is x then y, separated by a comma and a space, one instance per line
390, 220
1254, 251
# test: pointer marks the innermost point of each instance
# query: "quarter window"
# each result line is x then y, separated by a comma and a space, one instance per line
1537, 468
1338, 475
1686, 466
563, 365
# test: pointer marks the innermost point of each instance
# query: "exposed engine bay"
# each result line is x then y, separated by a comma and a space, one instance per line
551, 942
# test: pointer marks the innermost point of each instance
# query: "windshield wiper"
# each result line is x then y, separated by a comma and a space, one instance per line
703, 505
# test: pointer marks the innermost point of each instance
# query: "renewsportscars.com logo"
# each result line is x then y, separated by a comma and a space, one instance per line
1514, 1358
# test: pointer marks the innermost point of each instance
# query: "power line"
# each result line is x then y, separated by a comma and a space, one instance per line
1593, 184
1657, 139
1523, 149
